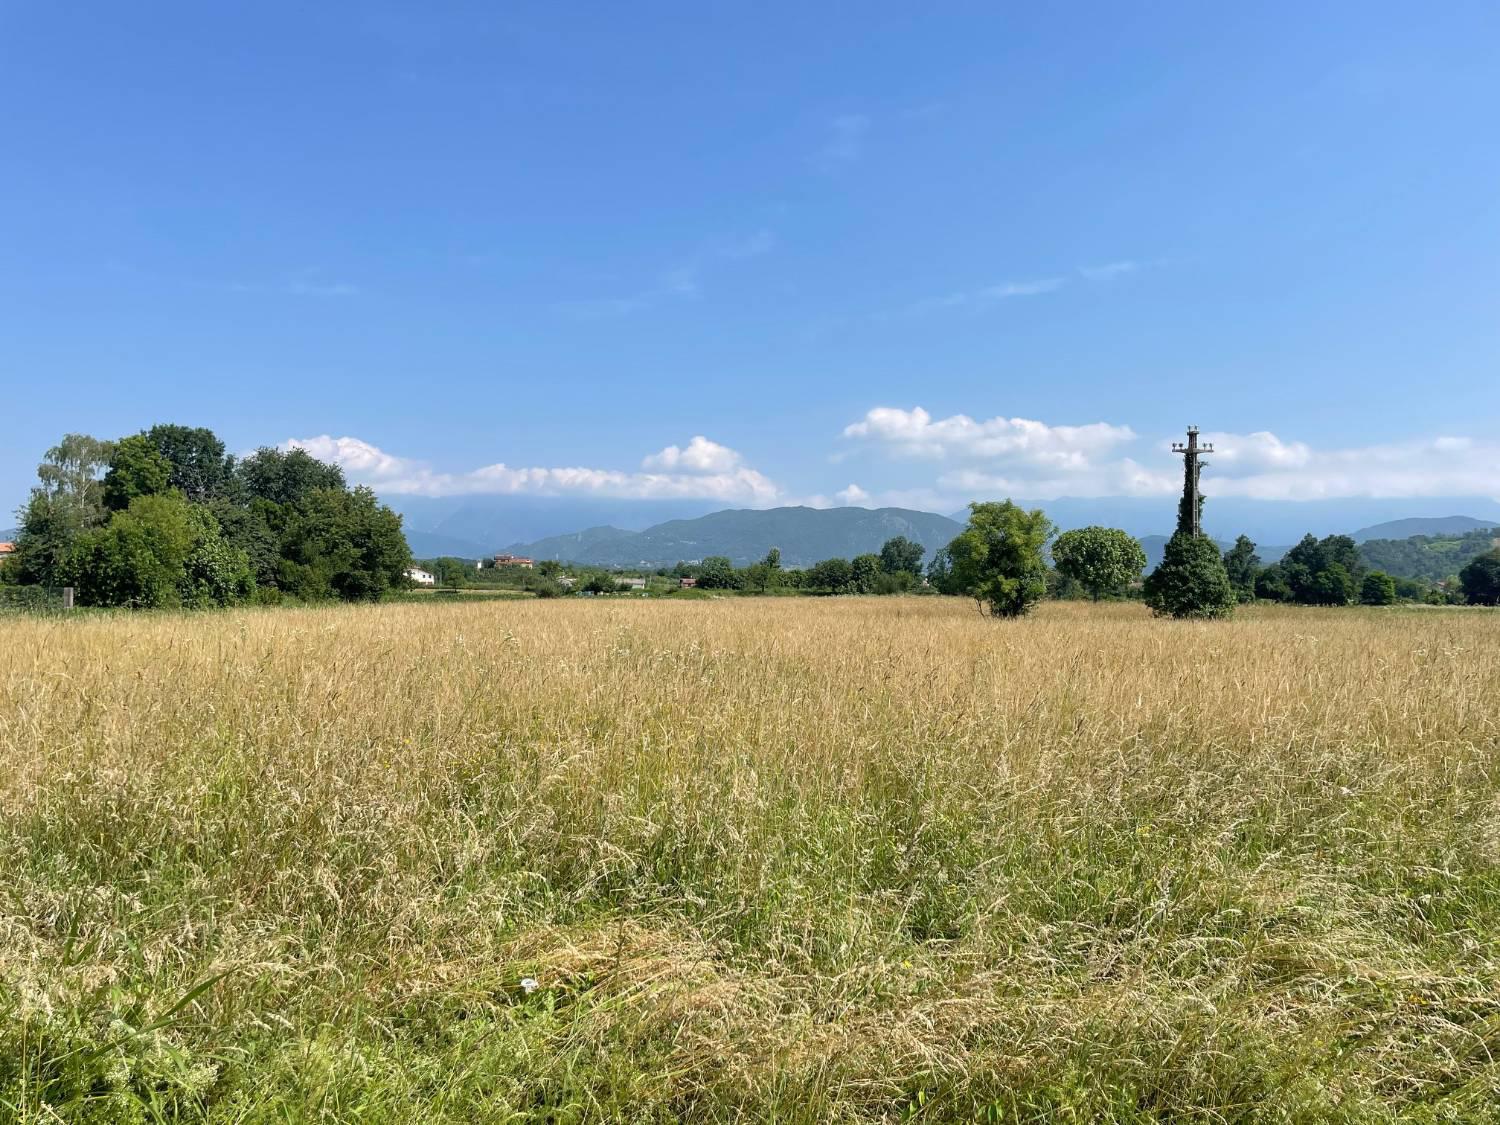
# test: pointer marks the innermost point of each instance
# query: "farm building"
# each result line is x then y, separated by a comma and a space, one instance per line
421, 577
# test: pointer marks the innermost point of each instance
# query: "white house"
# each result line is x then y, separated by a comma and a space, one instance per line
421, 577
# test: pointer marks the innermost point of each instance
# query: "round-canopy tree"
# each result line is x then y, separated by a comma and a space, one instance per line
1191, 581
1100, 559
997, 560
902, 555
135, 469
1481, 579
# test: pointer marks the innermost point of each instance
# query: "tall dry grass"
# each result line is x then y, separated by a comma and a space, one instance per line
765, 859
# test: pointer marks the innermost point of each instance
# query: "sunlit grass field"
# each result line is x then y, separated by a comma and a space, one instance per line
751, 859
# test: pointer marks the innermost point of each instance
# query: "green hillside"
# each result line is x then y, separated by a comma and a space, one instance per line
803, 535
1427, 556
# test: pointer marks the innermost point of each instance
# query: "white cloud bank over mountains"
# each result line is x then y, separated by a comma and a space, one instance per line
971, 459
1030, 459
702, 469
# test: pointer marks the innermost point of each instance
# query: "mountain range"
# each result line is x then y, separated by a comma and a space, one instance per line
803, 535
1422, 525
806, 535
475, 526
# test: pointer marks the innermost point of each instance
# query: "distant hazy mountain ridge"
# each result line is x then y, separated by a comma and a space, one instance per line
803, 535
1421, 547
1422, 525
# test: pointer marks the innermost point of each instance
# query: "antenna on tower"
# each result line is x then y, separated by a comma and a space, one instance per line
1190, 514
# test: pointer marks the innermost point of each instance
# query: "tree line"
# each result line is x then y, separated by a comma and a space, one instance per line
167, 518
1000, 560
1008, 559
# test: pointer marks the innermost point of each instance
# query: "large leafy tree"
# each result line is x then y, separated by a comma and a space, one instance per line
1242, 565
1481, 579
199, 466
67, 502
1271, 584
160, 551
833, 575
997, 559
256, 530
864, 573
900, 555
285, 476
136, 468
1100, 559
1378, 588
1324, 571
717, 573
1190, 582
940, 572
342, 544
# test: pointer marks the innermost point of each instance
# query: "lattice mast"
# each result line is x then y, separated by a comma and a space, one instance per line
1190, 510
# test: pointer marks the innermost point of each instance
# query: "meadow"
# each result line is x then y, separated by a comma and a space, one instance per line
752, 859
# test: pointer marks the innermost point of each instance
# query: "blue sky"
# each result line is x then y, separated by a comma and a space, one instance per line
766, 253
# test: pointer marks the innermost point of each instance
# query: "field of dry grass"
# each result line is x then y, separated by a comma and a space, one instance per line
795, 860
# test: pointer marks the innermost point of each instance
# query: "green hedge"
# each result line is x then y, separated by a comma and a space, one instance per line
30, 599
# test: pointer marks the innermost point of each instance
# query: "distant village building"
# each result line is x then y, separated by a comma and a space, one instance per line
7, 548
567, 581
686, 583
630, 583
514, 560
421, 577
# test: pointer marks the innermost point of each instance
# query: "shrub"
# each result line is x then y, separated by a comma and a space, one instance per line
1481, 579
1378, 588
1191, 580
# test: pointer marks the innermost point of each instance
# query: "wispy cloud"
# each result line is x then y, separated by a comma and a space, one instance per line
989, 295
679, 283
924, 110
303, 288
304, 283
847, 134
1109, 271
702, 469
746, 246
676, 284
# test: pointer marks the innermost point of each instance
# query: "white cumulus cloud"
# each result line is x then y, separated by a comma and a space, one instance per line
852, 497
915, 433
700, 456
1263, 467
703, 469
1260, 450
